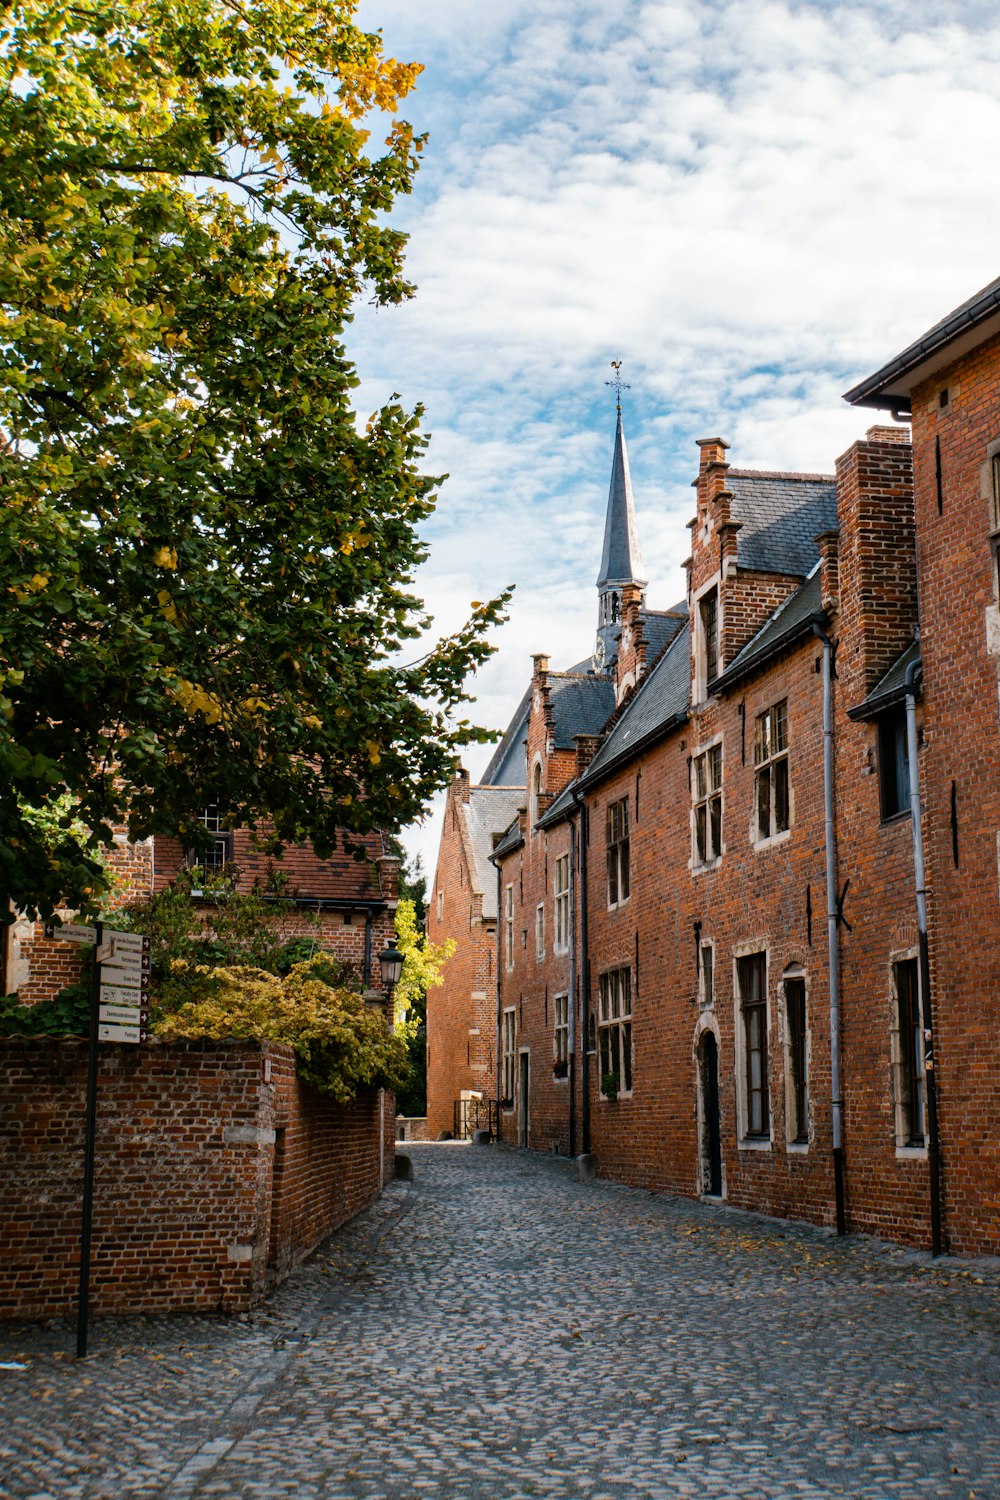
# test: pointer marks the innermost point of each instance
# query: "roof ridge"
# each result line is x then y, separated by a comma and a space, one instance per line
781, 474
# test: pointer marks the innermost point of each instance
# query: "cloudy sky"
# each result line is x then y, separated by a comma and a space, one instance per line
751, 203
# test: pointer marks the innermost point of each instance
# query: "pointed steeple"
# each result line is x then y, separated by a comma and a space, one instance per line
621, 560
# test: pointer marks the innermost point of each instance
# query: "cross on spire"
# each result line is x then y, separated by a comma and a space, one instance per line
618, 383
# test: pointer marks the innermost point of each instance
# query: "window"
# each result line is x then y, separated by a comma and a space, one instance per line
707, 789
797, 1103
509, 1038
218, 854
752, 973
615, 1033
893, 764
708, 620
536, 792
995, 517
618, 852
561, 885
707, 976
508, 926
560, 1036
910, 1063
540, 930
770, 758
440, 904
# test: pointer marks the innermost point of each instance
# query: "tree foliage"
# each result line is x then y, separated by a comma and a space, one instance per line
423, 964
205, 561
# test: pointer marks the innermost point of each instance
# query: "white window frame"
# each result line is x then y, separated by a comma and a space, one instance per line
540, 931
560, 1034
508, 927
763, 1140
701, 678
560, 887
614, 1028
906, 1146
619, 858
706, 975
508, 1055
770, 764
703, 794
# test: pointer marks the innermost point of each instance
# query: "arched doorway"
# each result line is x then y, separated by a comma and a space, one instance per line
711, 1134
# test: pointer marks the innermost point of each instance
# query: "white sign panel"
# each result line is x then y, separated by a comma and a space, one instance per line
86, 935
126, 942
122, 1015
120, 1034
137, 968
120, 994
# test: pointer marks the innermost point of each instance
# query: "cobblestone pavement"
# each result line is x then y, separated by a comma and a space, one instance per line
497, 1330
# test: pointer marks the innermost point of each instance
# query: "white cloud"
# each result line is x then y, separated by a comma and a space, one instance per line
753, 203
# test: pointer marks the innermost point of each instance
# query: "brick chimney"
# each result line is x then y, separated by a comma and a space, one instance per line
587, 746
828, 543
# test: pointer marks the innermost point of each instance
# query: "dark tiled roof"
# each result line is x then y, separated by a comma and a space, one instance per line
580, 705
661, 698
562, 805
511, 840
892, 688
489, 811
507, 763
962, 329
790, 620
782, 514
659, 626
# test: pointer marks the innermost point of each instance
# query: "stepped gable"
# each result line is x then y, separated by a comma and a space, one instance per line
780, 516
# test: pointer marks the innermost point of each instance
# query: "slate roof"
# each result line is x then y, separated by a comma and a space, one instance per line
892, 688
511, 840
661, 699
975, 320
507, 763
660, 626
621, 560
781, 516
488, 811
580, 705
792, 619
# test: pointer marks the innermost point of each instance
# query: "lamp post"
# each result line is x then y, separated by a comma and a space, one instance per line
391, 964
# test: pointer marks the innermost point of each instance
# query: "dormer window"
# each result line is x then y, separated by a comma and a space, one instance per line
219, 853
708, 643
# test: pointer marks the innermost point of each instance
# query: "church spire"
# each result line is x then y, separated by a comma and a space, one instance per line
621, 560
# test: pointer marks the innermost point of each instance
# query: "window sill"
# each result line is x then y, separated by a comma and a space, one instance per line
911, 1153
797, 1148
603, 1098
759, 845
710, 864
756, 1143
618, 905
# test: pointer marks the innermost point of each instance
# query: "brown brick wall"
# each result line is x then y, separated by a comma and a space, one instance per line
192, 1139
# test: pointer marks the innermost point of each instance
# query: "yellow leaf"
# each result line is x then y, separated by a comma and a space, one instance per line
165, 557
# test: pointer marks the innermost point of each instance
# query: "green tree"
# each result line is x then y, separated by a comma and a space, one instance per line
423, 963
205, 560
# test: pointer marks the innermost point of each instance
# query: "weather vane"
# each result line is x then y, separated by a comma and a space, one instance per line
618, 383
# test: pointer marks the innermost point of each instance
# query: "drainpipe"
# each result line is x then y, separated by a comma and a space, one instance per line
571, 1040
832, 933
368, 948
920, 882
499, 1054
584, 976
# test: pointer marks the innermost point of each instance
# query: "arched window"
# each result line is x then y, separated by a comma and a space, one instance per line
536, 791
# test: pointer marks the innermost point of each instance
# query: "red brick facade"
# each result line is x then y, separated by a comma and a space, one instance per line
216, 1172
715, 963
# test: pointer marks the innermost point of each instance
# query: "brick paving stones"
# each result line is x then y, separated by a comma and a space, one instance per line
496, 1330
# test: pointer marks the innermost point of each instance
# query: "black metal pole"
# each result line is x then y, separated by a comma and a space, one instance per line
83, 1301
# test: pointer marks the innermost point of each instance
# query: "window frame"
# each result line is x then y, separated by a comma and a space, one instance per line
219, 858
771, 769
753, 1033
893, 798
508, 926
796, 1059
539, 931
709, 644
508, 1054
707, 797
560, 935
614, 1030
910, 1067
993, 460
706, 975
560, 1034
617, 830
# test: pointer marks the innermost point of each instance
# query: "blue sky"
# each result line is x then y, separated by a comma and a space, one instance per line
751, 203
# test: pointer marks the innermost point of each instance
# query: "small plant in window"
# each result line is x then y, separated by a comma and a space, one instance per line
560, 1068
609, 1085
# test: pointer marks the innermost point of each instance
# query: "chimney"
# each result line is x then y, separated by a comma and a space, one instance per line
828, 543
460, 785
587, 746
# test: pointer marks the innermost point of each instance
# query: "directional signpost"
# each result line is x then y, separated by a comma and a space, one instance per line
119, 1012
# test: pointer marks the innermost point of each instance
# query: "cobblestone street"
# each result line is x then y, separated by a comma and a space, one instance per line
496, 1329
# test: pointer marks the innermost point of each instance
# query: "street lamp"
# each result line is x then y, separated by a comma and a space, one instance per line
391, 964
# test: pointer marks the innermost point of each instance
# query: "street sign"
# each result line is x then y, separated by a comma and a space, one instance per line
121, 994
121, 1034
124, 973
123, 1015
85, 935
126, 942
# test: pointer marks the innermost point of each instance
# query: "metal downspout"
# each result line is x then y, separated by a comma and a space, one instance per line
571, 1041
499, 1134
832, 932
584, 980
924, 968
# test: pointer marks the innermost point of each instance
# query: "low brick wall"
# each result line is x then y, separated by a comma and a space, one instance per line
217, 1170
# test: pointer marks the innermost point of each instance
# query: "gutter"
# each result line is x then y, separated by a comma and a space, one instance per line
833, 935
924, 966
866, 393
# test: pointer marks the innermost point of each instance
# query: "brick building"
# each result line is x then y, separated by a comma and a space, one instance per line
716, 968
